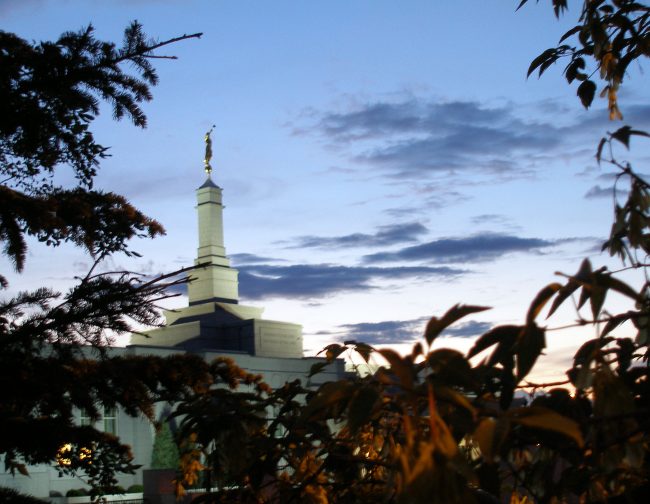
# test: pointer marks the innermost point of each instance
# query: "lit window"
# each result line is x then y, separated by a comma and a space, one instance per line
107, 421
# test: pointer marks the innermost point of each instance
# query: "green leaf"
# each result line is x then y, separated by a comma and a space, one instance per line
586, 353
596, 299
507, 384
545, 59
532, 341
586, 92
623, 135
333, 351
614, 322
599, 151
316, 368
450, 367
499, 334
585, 270
484, 436
444, 393
435, 326
563, 295
361, 407
416, 351
490, 435
625, 353
610, 282
540, 300
572, 70
640, 133
328, 395
521, 4
570, 33
363, 349
538, 417
400, 367
559, 6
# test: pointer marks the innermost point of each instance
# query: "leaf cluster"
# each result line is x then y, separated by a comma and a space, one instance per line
434, 425
439, 426
609, 36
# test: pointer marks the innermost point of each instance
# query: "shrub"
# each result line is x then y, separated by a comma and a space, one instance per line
76, 492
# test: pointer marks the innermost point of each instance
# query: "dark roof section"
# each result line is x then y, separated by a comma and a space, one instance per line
209, 183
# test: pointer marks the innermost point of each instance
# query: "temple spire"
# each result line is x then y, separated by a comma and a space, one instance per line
216, 280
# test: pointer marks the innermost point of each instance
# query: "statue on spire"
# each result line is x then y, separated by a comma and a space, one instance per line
208, 152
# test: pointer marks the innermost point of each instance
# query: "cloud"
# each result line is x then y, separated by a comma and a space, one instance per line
380, 333
390, 332
309, 281
468, 329
605, 192
427, 196
385, 235
599, 192
244, 258
490, 219
417, 135
304, 281
9, 6
476, 248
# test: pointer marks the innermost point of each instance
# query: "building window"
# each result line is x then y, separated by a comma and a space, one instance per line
107, 421
110, 420
85, 419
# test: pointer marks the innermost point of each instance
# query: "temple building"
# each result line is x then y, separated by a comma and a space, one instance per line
214, 324
214, 319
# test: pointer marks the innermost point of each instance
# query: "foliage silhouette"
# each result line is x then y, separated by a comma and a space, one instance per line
439, 426
53, 360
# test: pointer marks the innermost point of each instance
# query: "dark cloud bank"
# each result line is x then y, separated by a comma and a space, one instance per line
266, 277
417, 136
258, 279
301, 281
401, 331
386, 235
476, 248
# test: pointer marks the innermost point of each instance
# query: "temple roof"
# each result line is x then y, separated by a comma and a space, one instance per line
208, 183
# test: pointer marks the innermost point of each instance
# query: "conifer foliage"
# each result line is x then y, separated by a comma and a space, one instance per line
53, 360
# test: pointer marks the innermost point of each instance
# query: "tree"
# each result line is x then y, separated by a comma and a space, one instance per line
165, 452
439, 426
53, 359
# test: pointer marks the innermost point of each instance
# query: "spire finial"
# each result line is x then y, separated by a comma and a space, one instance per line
208, 152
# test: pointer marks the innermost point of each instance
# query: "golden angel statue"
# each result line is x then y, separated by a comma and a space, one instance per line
208, 152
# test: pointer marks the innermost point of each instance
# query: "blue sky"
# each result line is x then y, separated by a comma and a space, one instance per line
381, 160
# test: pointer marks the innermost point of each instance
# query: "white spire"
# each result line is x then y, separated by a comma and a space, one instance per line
217, 281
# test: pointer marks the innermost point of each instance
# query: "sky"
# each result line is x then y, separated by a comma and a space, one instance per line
381, 161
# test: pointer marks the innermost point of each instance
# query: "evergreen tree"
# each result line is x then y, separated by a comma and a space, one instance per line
53, 360
165, 452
